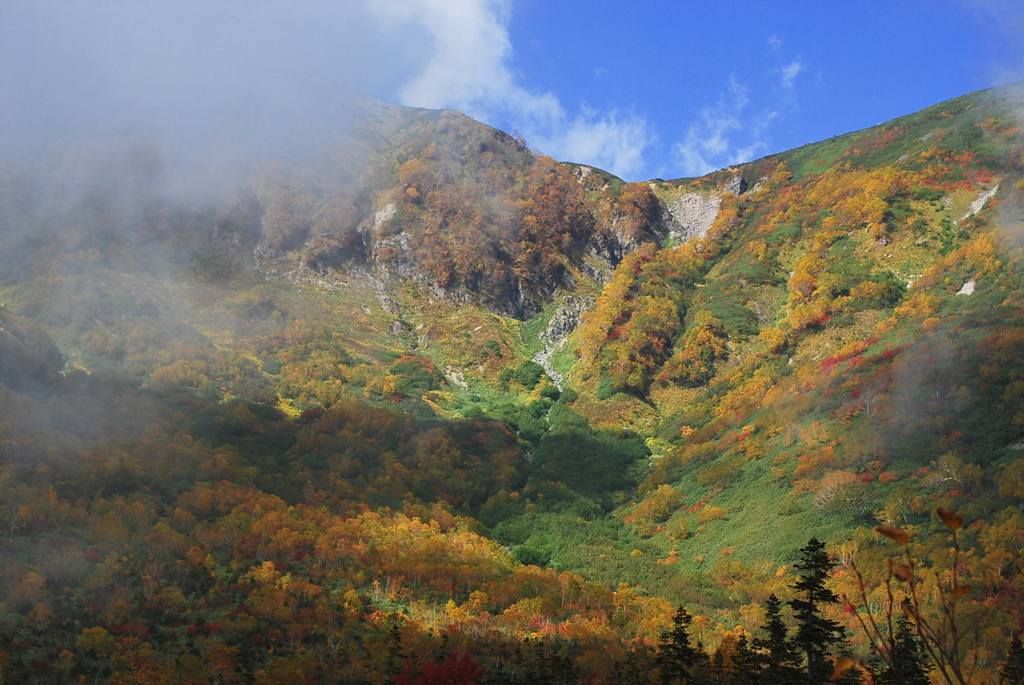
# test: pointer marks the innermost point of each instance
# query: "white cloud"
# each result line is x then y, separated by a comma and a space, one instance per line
607, 141
196, 74
469, 69
736, 129
253, 75
790, 72
710, 142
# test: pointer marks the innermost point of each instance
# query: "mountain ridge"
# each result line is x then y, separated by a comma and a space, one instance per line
337, 375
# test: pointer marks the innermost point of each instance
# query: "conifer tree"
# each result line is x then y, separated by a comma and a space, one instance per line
1012, 672
541, 666
909, 663
396, 655
746, 667
676, 656
635, 668
624, 671
815, 634
717, 673
778, 659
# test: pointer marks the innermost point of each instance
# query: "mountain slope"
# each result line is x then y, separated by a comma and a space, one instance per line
849, 341
276, 420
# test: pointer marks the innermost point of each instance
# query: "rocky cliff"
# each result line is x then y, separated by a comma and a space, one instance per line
466, 212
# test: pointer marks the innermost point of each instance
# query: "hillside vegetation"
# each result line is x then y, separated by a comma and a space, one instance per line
431, 394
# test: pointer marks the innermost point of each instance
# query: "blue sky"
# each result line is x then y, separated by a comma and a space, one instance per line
657, 89
717, 83
673, 89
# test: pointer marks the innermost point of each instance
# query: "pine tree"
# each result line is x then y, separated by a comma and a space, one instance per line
717, 673
777, 657
1012, 672
815, 634
909, 663
541, 666
636, 668
746, 666
396, 655
676, 656
625, 672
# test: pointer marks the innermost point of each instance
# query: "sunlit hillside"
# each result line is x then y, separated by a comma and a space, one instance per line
429, 405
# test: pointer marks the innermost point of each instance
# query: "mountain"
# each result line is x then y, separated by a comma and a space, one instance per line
429, 378
460, 210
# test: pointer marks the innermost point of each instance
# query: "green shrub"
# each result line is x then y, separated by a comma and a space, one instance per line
531, 556
415, 373
591, 463
928, 194
568, 396
528, 374
551, 392
564, 419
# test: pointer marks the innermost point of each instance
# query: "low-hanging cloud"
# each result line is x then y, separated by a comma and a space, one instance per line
1006, 19
214, 83
233, 79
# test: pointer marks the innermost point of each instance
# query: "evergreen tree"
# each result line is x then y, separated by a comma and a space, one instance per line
815, 634
1012, 672
746, 667
676, 656
562, 669
909, 662
396, 655
541, 666
717, 672
634, 669
777, 657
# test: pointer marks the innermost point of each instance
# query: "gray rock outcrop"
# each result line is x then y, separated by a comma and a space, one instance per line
691, 215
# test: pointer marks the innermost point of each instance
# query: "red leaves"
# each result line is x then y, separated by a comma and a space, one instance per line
312, 413
892, 352
457, 669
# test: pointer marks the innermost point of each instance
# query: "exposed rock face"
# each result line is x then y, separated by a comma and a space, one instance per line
736, 186
978, 204
691, 215
464, 211
565, 320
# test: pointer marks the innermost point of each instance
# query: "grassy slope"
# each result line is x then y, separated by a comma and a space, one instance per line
768, 495
326, 324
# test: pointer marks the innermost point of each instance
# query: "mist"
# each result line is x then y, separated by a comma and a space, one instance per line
206, 88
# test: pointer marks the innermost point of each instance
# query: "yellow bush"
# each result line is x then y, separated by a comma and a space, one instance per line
708, 514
